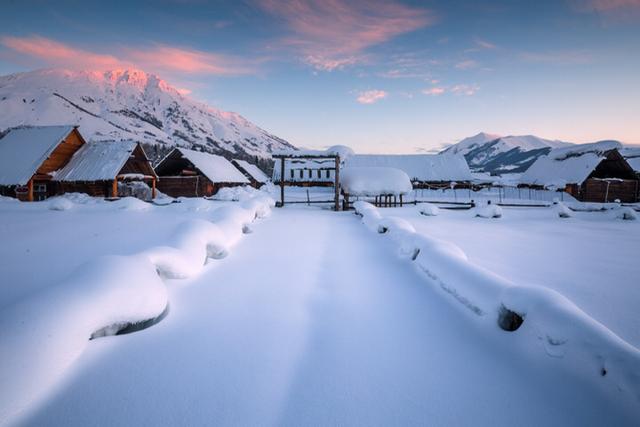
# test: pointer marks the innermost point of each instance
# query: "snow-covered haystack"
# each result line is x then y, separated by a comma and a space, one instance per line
626, 213
428, 209
42, 336
562, 210
488, 211
539, 314
59, 204
374, 181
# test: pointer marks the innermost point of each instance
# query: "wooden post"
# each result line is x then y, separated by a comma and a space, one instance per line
30, 192
153, 188
401, 200
337, 183
114, 188
282, 182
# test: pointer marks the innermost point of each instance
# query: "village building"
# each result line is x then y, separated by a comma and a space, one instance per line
309, 168
189, 173
424, 170
252, 172
30, 156
632, 156
589, 172
108, 169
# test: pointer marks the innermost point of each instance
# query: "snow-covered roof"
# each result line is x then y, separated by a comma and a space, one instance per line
632, 156
97, 161
23, 150
419, 167
568, 165
252, 170
336, 150
216, 168
374, 181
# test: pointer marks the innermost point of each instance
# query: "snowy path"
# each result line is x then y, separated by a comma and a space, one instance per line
313, 320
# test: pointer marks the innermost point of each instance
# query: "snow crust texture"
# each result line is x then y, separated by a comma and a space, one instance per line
42, 335
562, 329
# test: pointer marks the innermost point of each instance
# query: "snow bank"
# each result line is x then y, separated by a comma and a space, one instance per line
42, 336
562, 210
563, 330
132, 204
59, 204
626, 213
488, 211
234, 194
375, 181
427, 209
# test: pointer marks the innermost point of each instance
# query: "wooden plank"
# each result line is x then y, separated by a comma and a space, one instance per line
282, 182
337, 184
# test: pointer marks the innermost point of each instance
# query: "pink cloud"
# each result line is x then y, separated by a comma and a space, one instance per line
484, 44
463, 89
434, 91
158, 58
371, 96
467, 64
332, 34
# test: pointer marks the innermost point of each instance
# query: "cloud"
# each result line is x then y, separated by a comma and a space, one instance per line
371, 96
484, 44
434, 91
467, 64
333, 34
161, 59
607, 5
559, 57
464, 89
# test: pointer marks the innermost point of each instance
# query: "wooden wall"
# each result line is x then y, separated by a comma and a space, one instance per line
191, 186
62, 154
595, 190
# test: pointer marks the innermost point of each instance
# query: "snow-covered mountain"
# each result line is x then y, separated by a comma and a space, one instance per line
128, 104
502, 154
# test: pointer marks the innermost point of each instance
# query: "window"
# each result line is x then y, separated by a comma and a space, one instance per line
319, 174
310, 172
328, 174
291, 173
301, 174
40, 188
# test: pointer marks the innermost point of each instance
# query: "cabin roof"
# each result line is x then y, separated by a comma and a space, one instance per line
97, 161
214, 167
568, 165
632, 156
419, 167
254, 171
374, 181
23, 150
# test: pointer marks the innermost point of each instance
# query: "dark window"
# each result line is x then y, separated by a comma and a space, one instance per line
319, 174
301, 174
328, 174
291, 173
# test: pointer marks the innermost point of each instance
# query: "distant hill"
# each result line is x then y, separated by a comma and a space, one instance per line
502, 154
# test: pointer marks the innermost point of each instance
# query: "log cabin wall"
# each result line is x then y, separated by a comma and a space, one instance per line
186, 186
62, 154
92, 188
138, 163
595, 190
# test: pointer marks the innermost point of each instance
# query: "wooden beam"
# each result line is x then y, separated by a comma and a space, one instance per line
153, 188
337, 183
30, 192
114, 188
281, 182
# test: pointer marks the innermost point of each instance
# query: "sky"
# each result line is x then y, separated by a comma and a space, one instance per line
379, 76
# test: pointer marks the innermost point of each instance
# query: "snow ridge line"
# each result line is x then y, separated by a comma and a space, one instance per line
41, 337
565, 331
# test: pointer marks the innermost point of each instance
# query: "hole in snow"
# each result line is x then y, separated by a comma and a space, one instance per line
416, 252
382, 229
128, 327
509, 320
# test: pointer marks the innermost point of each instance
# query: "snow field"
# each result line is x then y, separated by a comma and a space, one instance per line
42, 335
564, 331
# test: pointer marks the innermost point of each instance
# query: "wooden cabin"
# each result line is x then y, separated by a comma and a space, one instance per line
253, 173
424, 170
188, 173
589, 172
30, 156
109, 169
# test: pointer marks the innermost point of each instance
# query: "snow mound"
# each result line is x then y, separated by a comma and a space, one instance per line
234, 194
427, 209
375, 181
563, 211
543, 315
627, 213
132, 204
59, 204
488, 211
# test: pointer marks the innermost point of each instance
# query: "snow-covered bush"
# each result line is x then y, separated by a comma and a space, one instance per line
428, 209
626, 213
59, 204
563, 211
488, 211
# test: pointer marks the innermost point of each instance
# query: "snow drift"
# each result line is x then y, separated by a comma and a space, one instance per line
42, 336
562, 328
375, 181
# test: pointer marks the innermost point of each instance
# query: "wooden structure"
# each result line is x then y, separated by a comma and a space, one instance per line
333, 158
600, 174
108, 169
30, 156
188, 173
253, 173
